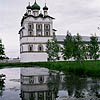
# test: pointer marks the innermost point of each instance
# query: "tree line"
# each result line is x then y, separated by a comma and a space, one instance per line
74, 48
2, 53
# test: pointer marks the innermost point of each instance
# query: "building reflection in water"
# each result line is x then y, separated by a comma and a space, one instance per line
39, 84
43, 84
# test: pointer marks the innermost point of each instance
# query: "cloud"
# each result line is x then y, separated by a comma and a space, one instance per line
80, 16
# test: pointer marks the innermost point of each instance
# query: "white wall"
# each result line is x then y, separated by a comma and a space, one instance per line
33, 57
34, 39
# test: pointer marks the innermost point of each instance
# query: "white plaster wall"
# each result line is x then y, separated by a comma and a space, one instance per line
31, 88
35, 47
33, 57
34, 39
25, 48
36, 71
37, 21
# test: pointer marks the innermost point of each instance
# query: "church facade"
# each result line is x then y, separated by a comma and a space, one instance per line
36, 29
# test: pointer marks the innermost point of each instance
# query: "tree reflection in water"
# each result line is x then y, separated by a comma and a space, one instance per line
54, 81
2, 85
82, 88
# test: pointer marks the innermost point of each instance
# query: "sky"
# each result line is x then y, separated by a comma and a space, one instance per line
77, 16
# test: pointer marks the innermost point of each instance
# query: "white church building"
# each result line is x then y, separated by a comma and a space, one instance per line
36, 29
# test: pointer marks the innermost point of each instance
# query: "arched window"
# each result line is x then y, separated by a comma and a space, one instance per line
40, 48
31, 80
41, 79
47, 33
30, 47
30, 33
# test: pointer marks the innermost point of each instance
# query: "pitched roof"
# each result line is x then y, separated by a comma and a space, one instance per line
60, 38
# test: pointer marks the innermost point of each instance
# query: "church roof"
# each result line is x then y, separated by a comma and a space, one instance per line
35, 6
60, 38
29, 7
41, 14
24, 17
45, 7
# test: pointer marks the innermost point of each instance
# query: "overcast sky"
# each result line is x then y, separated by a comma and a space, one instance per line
77, 16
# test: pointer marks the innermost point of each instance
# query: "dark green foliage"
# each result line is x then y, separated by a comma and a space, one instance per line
52, 49
2, 54
79, 48
93, 48
86, 68
67, 50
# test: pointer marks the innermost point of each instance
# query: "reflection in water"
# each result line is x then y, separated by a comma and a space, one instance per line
39, 84
2, 84
43, 84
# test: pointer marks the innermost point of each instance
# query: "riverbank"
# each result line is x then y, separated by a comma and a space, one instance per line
86, 68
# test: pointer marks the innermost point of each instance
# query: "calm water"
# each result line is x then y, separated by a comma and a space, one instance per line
43, 84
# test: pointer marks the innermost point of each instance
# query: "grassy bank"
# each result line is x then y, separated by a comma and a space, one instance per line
86, 68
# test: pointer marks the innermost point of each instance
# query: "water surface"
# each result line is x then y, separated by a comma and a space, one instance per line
44, 84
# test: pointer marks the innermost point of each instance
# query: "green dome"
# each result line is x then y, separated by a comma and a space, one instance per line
41, 15
29, 7
45, 8
25, 14
35, 6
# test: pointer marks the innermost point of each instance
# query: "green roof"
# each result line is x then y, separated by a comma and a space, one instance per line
29, 7
41, 15
35, 6
45, 7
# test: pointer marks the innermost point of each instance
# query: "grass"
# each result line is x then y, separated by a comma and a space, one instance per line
86, 68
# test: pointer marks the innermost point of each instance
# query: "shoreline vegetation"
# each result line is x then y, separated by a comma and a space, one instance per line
83, 69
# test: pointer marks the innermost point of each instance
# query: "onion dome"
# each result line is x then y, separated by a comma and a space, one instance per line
35, 6
25, 14
29, 7
45, 7
41, 15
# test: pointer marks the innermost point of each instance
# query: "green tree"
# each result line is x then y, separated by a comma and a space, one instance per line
93, 48
52, 49
79, 48
2, 54
67, 50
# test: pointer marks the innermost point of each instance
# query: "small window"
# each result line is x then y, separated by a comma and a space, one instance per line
30, 33
40, 48
32, 96
40, 95
47, 26
48, 94
47, 33
30, 26
29, 11
31, 80
41, 79
39, 26
30, 47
